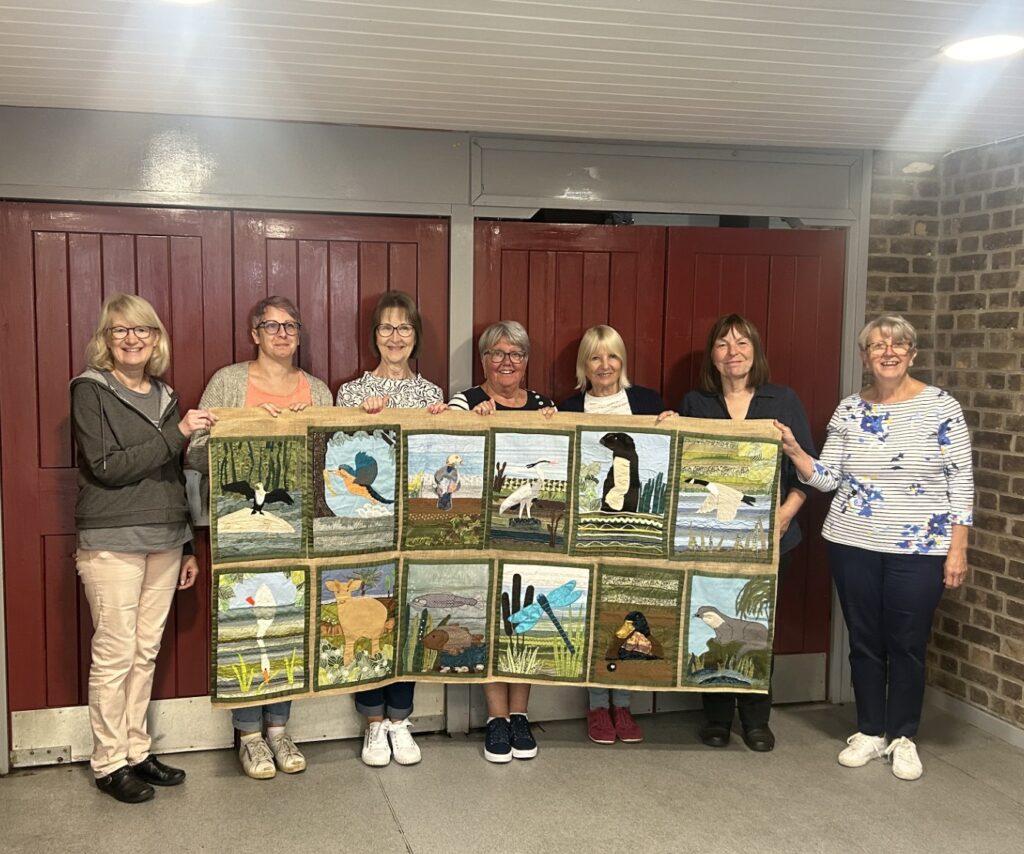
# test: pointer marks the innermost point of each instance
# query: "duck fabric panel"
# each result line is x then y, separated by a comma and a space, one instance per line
353, 550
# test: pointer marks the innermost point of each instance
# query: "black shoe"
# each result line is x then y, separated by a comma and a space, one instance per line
497, 742
154, 772
125, 786
759, 738
523, 744
714, 734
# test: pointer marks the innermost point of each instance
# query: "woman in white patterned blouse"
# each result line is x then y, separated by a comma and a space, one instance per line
395, 339
898, 455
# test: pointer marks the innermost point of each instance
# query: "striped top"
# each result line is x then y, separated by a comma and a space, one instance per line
901, 471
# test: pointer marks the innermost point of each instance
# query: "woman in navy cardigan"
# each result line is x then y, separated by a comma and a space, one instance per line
604, 388
734, 384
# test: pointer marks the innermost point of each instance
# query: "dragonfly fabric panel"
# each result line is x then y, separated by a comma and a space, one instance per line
353, 550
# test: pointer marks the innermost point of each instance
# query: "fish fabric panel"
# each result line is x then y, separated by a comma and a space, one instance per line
581, 549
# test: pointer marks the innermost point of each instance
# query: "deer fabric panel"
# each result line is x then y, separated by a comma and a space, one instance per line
352, 550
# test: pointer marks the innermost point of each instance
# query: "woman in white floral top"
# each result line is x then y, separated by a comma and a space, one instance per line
898, 455
395, 339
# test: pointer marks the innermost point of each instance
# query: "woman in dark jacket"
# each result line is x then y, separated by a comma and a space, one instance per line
132, 522
734, 384
604, 388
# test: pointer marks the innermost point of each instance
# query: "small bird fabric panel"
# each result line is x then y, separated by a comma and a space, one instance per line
529, 494
261, 631
621, 486
725, 502
257, 497
447, 612
444, 485
636, 625
353, 485
544, 613
356, 624
728, 634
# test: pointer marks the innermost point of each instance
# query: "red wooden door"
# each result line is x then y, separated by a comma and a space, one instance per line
335, 268
57, 263
559, 280
790, 285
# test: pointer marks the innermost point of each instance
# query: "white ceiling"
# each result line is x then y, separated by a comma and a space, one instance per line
862, 73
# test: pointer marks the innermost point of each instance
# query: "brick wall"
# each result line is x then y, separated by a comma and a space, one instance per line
947, 251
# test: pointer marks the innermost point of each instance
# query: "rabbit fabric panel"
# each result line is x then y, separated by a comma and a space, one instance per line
352, 550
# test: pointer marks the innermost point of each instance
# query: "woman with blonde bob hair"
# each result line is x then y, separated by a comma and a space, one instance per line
133, 528
604, 387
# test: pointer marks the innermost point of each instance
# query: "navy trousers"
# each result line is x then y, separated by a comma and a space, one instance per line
888, 602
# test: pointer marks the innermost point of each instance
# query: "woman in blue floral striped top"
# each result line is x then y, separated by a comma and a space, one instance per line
898, 455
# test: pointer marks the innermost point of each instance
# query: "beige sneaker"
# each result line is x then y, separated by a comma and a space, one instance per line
256, 758
287, 756
862, 749
906, 765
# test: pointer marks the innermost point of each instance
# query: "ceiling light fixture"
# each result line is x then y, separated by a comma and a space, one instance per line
985, 47
187, 2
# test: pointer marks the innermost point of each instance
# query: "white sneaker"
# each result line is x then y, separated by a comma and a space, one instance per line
256, 758
862, 749
376, 751
403, 748
906, 765
287, 756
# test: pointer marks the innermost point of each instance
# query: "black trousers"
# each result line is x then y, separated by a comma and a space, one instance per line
888, 603
754, 709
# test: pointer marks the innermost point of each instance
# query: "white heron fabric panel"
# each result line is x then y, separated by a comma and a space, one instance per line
352, 550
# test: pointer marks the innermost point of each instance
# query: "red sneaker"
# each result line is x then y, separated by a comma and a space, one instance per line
600, 727
626, 727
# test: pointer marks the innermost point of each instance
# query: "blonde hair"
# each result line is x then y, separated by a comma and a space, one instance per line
600, 338
136, 312
891, 326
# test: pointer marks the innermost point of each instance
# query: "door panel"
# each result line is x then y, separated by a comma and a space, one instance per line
335, 268
58, 263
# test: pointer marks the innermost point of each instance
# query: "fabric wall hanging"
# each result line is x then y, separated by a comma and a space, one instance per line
353, 550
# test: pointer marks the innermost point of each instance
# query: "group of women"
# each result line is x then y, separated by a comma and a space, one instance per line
897, 455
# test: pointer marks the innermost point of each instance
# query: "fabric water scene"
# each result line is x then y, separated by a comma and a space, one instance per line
260, 634
543, 610
356, 624
728, 631
622, 484
444, 483
446, 628
352, 489
726, 499
636, 626
529, 498
257, 494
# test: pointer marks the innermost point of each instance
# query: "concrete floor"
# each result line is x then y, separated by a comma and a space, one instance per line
669, 794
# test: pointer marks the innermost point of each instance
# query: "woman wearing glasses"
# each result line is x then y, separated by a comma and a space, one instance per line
394, 339
132, 521
504, 352
898, 455
274, 383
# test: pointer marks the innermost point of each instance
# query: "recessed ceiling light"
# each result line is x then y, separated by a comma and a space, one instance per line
986, 47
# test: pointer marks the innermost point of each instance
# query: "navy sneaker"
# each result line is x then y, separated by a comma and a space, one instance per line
497, 747
523, 744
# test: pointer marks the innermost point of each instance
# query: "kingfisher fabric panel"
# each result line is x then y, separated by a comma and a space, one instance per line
352, 550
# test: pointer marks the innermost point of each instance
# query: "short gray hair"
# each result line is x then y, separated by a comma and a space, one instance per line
889, 326
511, 330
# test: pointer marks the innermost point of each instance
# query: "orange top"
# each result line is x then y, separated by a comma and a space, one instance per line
255, 396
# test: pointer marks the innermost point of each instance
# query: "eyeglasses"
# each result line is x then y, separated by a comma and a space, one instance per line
119, 333
386, 330
272, 327
878, 348
516, 357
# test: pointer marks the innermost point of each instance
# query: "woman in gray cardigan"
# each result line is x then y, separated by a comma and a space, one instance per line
274, 383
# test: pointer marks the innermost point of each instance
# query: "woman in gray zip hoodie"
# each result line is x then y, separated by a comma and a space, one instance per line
132, 522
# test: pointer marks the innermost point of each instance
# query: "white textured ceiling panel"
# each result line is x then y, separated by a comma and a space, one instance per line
863, 73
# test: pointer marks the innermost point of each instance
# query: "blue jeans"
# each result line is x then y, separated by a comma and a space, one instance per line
393, 701
252, 718
599, 698
888, 602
